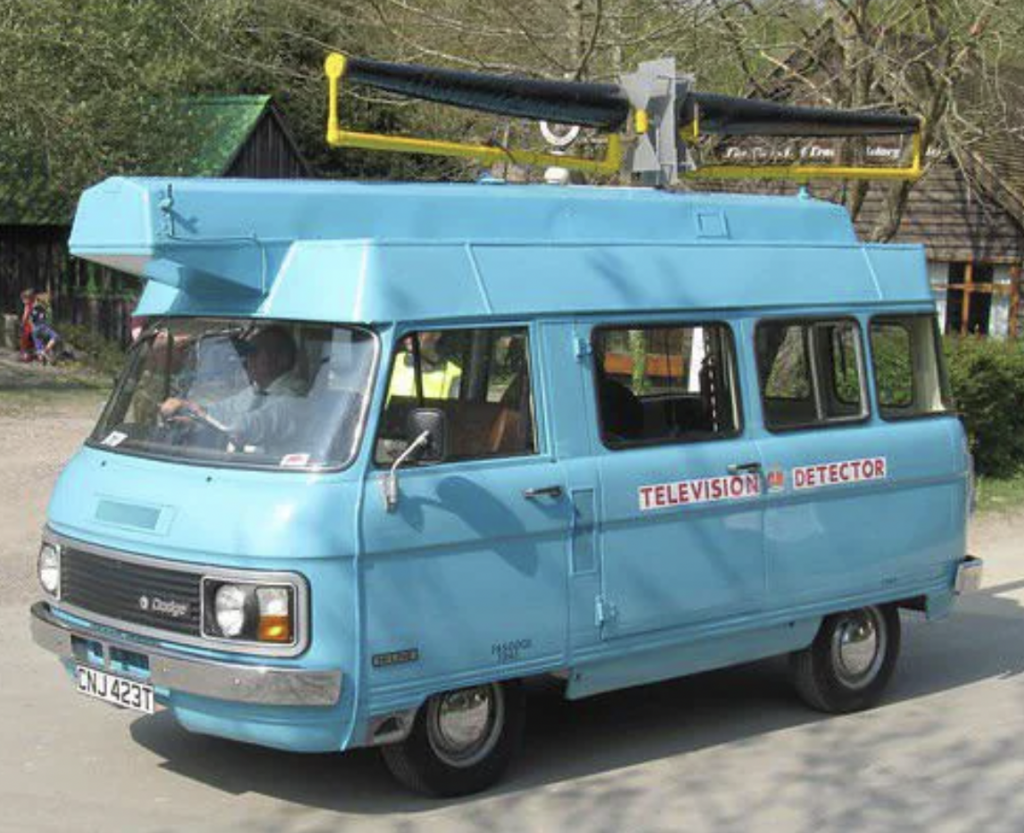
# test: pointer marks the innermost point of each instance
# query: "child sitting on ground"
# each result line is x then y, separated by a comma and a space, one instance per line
26, 347
44, 336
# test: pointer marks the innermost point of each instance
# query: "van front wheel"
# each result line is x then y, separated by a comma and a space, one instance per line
462, 740
851, 660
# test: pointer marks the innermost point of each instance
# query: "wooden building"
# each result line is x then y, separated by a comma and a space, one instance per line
230, 136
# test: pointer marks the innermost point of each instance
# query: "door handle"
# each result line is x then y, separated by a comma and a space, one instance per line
745, 468
542, 491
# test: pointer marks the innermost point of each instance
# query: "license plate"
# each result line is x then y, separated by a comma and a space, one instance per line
128, 694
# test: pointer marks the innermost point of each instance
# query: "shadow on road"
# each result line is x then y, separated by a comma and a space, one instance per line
984, 639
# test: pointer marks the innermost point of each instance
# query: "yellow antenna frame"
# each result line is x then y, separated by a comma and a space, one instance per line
335, 67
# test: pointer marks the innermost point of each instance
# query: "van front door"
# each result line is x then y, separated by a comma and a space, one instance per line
464, 577
681, 515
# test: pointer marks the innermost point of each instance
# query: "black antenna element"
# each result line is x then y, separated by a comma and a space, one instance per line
728, 115
606, 106
603, 106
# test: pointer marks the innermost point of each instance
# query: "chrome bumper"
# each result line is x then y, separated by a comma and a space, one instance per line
258, 684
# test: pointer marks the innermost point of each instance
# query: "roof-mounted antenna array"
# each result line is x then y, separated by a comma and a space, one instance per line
653, 119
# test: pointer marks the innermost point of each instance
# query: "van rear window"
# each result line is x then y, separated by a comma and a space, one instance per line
910, 377
665, 384
811, 373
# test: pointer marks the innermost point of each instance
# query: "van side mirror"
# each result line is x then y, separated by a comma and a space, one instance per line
434, 422
427, 429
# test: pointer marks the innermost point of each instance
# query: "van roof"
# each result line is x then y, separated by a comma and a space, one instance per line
367, 252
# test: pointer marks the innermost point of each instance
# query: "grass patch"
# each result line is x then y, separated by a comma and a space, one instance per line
1001, 494
104, 357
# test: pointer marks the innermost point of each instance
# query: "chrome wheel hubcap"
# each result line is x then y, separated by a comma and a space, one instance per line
858, 647
463, 726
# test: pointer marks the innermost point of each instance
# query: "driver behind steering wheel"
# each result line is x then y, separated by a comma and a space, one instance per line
263, 412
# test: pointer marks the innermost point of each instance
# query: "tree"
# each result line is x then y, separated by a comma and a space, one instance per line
85, 80
92, 88
80, 83
941, 59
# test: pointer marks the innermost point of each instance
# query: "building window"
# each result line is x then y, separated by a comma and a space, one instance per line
665, 384
969, 293
480, 378
811, 373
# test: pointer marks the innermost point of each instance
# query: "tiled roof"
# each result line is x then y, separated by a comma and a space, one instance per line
997, 162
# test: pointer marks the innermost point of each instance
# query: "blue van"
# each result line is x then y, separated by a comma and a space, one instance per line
386, 451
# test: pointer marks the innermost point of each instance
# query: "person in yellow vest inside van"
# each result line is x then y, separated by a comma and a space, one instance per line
441, 377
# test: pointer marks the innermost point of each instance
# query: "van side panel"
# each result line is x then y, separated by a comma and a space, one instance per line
676, 565
882, 535
681, 599
897, 533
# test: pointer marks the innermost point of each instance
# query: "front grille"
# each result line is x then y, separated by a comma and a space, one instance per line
137, 593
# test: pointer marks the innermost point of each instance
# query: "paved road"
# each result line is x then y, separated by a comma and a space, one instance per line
730, 750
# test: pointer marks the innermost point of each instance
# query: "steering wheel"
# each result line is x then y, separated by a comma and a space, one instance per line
197, 417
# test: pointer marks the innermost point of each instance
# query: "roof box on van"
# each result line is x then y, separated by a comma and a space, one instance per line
346, 251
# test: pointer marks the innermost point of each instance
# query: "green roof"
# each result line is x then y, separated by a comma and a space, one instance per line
213, 130
207, 134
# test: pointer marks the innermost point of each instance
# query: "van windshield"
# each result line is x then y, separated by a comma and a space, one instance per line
264, 394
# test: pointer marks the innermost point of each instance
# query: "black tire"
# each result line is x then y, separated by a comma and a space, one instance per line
827, 683
423, 762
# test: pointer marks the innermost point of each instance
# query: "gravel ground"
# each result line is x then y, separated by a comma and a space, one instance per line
45, 414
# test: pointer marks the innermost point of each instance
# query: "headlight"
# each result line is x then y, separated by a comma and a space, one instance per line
229, 604
49, 568
249, 612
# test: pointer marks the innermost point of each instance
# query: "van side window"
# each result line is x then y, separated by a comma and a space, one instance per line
811, 373
480, 378
665, 384
910, 378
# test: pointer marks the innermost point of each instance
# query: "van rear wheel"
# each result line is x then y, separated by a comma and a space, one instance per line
851, 660
462, 740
